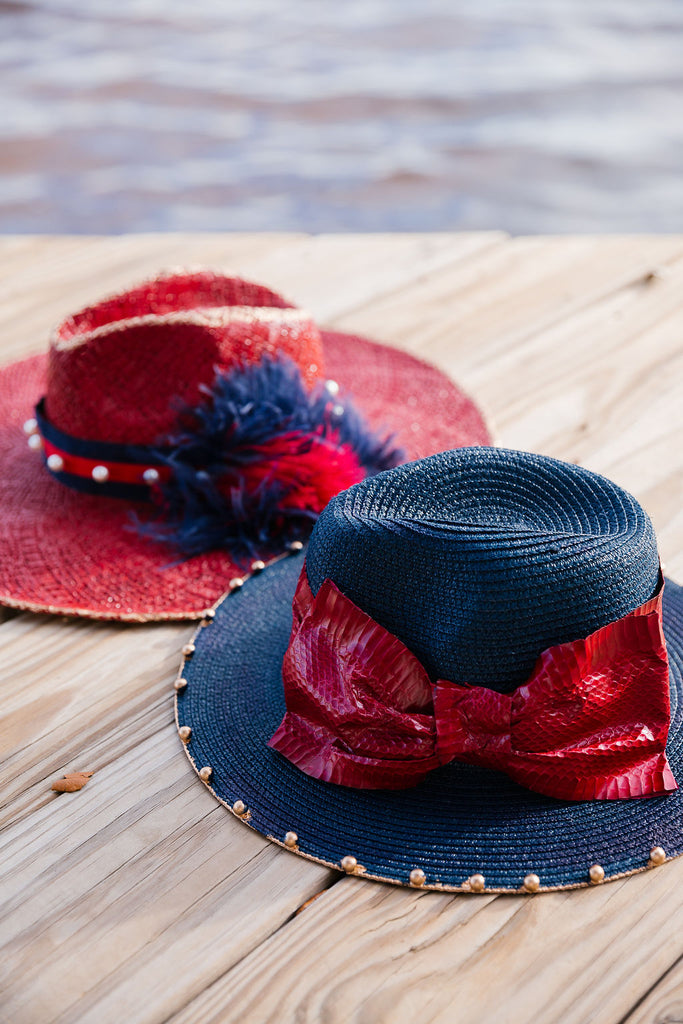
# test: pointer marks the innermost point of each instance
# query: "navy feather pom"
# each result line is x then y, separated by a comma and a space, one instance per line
253, 464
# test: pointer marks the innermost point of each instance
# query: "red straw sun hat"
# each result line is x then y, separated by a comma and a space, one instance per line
183, 430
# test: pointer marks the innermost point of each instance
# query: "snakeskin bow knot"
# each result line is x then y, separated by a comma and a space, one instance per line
590, 723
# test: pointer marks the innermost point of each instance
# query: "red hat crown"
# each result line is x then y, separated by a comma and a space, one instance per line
119, 370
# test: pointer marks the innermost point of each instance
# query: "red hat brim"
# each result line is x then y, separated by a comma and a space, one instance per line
75, 554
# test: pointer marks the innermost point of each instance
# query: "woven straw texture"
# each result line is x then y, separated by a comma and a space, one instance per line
69, 553
119, 370
478, 561
462, 820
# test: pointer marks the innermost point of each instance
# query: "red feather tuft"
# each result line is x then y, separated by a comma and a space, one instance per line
310, 470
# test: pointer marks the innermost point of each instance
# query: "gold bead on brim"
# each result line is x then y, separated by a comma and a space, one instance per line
349, 864
477, 883
205, 773
239, 807
180, 683
185, 732
596, 873
291, 839
188, 650
532, 883
417, 877
657, 856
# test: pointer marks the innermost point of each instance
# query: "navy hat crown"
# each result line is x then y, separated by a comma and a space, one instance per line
481, 558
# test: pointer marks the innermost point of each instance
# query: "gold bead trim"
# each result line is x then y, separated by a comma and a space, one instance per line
532, 883
292, 841
236, 582
477, 883
417, 877
596, 873
351, 866
188, 650
240, 808
205, 773
180, 684
185, 732
657, 857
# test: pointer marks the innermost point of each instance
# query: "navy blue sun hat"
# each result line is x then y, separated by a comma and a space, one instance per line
472, 564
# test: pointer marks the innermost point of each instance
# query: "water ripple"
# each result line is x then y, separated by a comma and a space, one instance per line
529, 115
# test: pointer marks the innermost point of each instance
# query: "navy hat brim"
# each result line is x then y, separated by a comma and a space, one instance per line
461, 821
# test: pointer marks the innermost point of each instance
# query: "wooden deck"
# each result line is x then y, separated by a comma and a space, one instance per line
139, 899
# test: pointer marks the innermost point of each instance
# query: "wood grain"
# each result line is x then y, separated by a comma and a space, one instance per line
131, 896
139, 898
382, 954
663, 1004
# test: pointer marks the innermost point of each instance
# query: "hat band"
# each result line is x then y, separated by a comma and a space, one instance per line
590, 723
100, 467
249, 468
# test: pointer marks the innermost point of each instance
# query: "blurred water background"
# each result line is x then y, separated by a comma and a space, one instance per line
528, 115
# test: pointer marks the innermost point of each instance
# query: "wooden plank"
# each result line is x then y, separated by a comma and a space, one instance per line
663, 1004
86, 691
513, 291
366, 952
121, 901
333, 275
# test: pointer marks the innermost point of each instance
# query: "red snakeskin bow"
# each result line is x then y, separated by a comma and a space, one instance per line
590, 723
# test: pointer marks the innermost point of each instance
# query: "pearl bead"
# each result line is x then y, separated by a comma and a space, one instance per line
100, 474
338, 411
205, 773
417, 877
258, 565
291, 839
188, 650
185, 732
239, 807
532, 883
596, 873
180, 684
477, 883
151, 476
55, 463
236, 582
657, 856
294, 546
349, 864
35, 442
30, 426
332, 387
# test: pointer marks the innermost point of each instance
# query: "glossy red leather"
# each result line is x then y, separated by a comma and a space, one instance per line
590, 723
